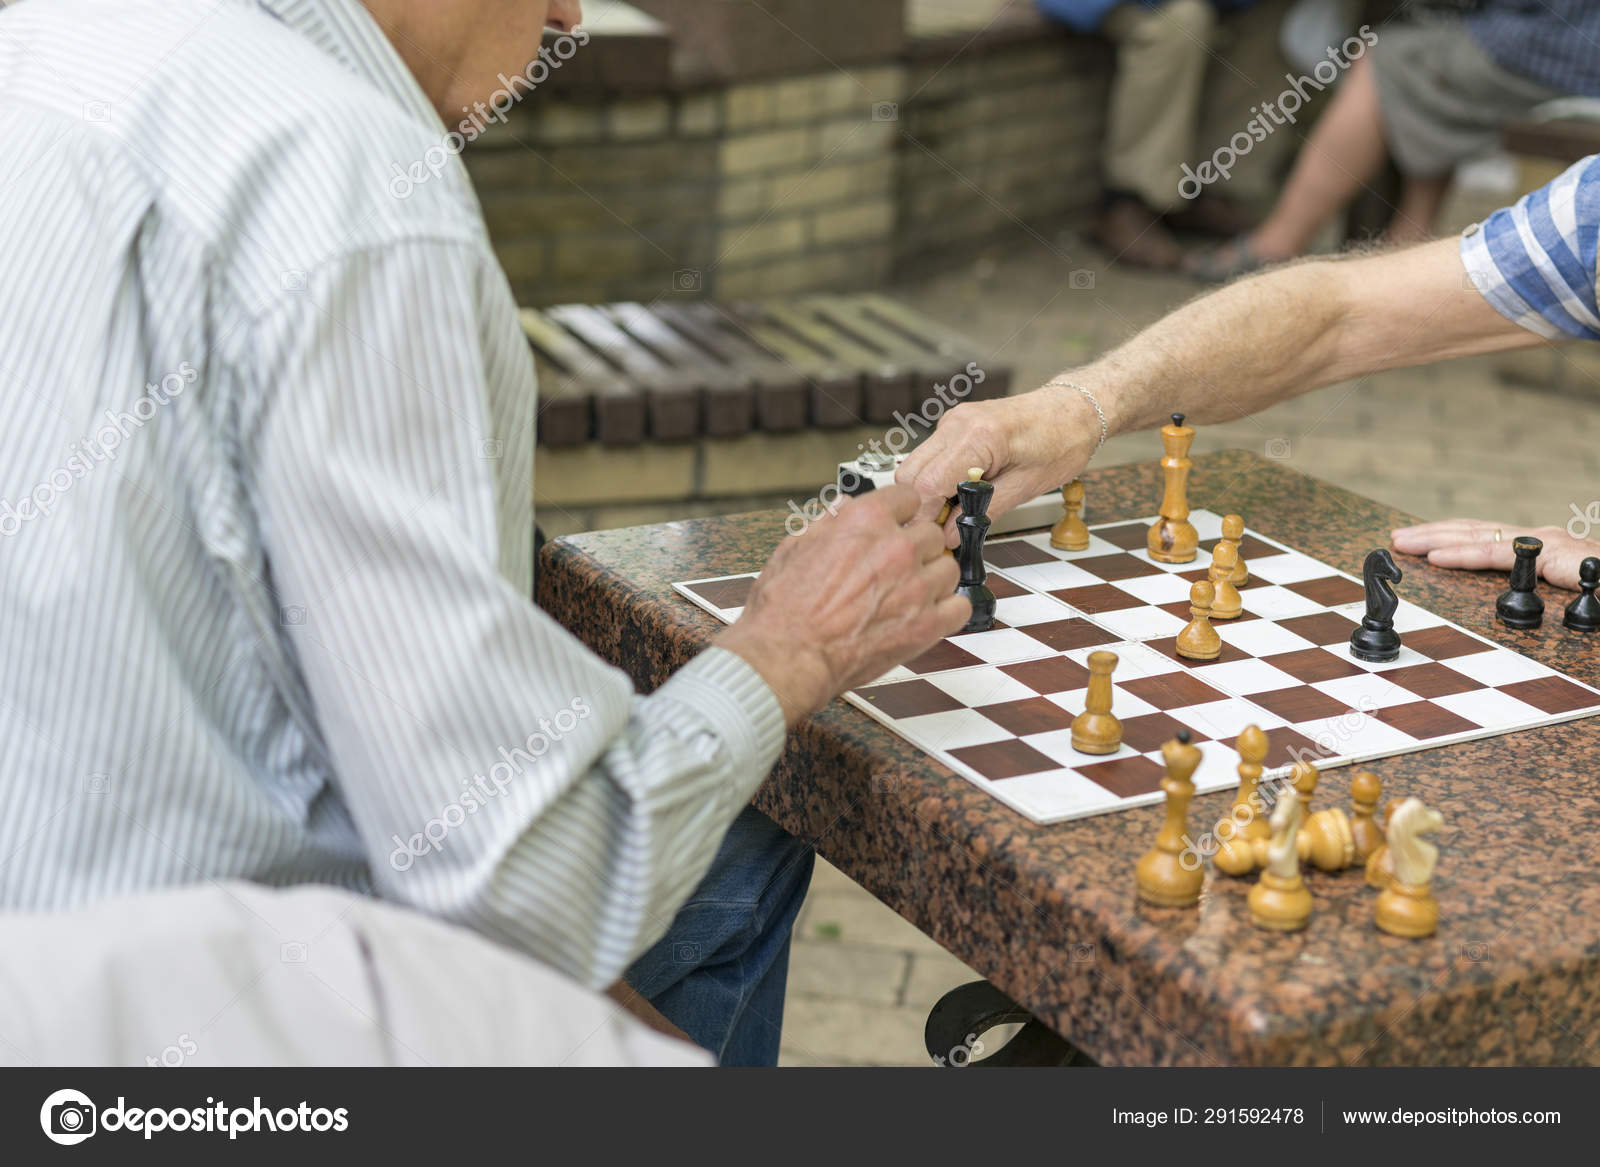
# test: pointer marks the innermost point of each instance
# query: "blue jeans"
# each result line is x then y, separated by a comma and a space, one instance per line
720, 972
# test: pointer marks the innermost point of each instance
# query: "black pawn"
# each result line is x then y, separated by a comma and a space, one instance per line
1519, 606
1583, 614
973, 527
1376, 641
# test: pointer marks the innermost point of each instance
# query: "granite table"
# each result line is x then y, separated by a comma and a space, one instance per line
1049, 914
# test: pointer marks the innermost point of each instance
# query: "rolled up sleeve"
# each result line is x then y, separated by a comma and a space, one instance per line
1534, 261
497, 772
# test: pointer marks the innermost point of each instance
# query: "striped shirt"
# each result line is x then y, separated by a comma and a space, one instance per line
265, 509
1553, 42
1534, 261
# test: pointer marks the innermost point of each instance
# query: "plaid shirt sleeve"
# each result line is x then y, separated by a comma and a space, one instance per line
1534, 261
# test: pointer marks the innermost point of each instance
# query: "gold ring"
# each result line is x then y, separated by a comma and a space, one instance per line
1498, 535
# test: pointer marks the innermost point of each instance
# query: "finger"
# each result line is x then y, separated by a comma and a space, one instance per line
1481, 556
912, 473
928, 540
1421, 539
951, 614
937, 480
941, 577
900, 501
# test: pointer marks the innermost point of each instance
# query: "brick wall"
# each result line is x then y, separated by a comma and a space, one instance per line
997, 143
832, 180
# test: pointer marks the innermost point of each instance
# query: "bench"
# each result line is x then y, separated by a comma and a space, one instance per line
675, 371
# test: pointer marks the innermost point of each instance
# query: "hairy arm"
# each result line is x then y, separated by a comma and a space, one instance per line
1222, 356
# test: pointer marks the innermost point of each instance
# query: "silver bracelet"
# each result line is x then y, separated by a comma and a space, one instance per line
1105, 430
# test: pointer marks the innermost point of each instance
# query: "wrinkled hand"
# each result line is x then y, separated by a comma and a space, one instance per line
1470, 544
846, 600
1024, 445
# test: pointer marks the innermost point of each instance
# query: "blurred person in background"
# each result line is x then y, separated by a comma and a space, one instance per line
1432, 92
1187, 73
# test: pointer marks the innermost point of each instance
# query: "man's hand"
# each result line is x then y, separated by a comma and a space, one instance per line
853, 595
1025, 445
1470, 544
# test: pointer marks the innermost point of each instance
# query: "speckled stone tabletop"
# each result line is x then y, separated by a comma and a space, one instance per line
1049, 913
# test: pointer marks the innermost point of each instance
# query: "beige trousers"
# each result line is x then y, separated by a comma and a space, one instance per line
1186, 81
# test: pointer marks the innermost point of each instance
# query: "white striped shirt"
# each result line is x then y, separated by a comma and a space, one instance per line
265, 509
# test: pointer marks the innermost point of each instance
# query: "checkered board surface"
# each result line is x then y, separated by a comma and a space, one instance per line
997, 706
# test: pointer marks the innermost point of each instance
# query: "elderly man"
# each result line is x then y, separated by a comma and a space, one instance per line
1523, 277
265, 487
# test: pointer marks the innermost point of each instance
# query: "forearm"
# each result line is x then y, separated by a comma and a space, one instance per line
1285, 332
1226, 354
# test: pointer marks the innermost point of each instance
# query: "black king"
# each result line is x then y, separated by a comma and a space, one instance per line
973, 527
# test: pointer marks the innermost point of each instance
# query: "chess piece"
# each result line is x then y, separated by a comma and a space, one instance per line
1365, 790
1325, 840
1070, 533
1162, 877
1519, 606
1226, 605
1233, 532
1583, 614
1380, 866
1407, 907
1376, 640
1198, 640
1279, 901
1172, 537
1096, 730
972, 528
1245, 828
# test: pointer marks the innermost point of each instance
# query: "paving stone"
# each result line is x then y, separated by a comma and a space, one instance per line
855, 972
857, 917
835, 1031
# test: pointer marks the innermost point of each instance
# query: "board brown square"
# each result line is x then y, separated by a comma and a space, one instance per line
1170, 690
1443, 643
1005, 759
1125, 777
1074, 632
1115, 567
1430, 680
1052, 674
909, 698
1284, 746
943, 655
1424, 719
1201, 573
1151, 731
1181, 609
1167, 646
725, 593
1003, 588
1301, 703
1029, 715
1330, 591
1323, 628
1313, 664
1128, 536
1015, 553
1550, 694
1097, 598
1250, 547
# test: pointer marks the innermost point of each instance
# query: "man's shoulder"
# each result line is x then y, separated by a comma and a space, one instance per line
254, 137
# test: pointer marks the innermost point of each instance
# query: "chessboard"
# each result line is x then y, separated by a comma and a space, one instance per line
997, 706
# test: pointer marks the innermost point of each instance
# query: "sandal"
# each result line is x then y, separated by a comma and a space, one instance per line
1218, 265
